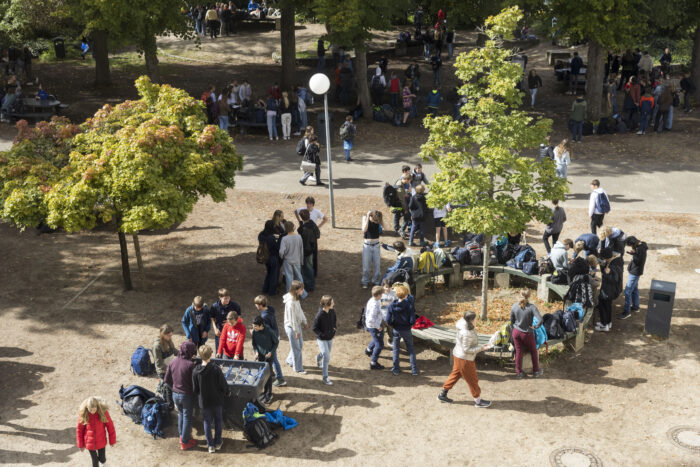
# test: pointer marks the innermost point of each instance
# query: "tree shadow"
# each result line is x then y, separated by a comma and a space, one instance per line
18, 382
45, 456
613, 198
14, 352
551, 406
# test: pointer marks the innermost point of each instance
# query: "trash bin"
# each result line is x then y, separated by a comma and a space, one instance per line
246, 380
658, 320
59, 46
321, 130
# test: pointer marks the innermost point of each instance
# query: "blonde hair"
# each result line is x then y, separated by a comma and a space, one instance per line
592, 261
401, 291
605, 232
285, 98
166, 343
295, 289
326, 300
564, 145
92, 402
198, 301
261, 300
377, 291
579, 246
205, 352
377, 217
420, 189
524, 296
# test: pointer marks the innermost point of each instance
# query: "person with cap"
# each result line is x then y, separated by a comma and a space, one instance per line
608, 290
635, 269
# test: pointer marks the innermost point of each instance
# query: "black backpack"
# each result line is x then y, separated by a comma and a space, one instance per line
377, 84
475, 256
361, 322
259, 433
552, 324
545, 266
391, 196
400, 275
301, 147
569, 321
133, 398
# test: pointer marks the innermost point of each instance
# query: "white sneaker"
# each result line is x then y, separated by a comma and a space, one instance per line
328, 382
640, 132
608, 327
212, 449
599, 327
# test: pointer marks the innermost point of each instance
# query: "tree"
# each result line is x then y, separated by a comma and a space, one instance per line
606, 24
480, 165
138, 165
350, 23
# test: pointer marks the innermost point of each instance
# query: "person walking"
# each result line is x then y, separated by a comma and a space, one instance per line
401, 316
93, 422
407, 99
635, 269
312, 155
534, 82
294, 320
210, 387
435, 64
372, 224
521, 318
464, 366
373, 324
325, 326
179, 377
554, 228
347, 133
163, 350
598, 205
577, 117
562, 158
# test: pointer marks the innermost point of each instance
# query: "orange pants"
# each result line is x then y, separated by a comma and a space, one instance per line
463, 369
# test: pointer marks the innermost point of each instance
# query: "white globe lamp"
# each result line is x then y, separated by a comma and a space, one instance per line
319, 84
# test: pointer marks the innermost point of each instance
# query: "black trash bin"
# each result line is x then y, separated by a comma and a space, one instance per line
59, 46
658, 319
321, 130
246, 380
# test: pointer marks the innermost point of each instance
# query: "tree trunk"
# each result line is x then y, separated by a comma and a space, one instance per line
126, 273
695, 63
150, 54
102, 75
485, 279
362, 85
595, 75
289, 51
137, 251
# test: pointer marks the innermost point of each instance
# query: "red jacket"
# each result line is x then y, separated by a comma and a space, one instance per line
231, 340
92, 436
394, 85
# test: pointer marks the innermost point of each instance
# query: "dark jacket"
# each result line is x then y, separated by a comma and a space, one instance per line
194, 323
534, 82
179, 373
417, 207
219, 312
576, 64
639, 258
609, 284
268, 316
325, 324
312, 154
309, 235
401, 314
209, 385
273, 244
264, 342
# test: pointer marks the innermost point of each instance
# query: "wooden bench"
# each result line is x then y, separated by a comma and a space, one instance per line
243, 124
452, 276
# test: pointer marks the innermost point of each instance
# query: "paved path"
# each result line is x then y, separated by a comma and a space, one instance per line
658, 186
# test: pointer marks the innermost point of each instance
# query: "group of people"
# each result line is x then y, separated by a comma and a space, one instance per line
219, 19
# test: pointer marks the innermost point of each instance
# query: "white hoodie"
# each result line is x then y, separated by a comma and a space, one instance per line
467, 342
591, 201
293, 314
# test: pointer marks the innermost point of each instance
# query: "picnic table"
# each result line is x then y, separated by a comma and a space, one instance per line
38, 109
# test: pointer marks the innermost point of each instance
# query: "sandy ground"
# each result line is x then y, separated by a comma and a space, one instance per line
70, 329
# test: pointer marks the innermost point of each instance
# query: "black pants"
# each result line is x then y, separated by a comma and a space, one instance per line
596, 221
97, 457
267, 390
605, 311
661, 119
545, 239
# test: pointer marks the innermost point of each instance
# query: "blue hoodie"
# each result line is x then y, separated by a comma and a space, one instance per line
433, 100
194, 323
402, 315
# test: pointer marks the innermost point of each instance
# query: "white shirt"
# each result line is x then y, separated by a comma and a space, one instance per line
373, 314
387, 299
439, 213
315, 215
592, 201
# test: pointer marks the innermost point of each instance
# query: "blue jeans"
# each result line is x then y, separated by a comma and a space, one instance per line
376, 345
408, 339
277, 367
576, 130
324, 355
272, 126
371, 260
416, 225
669, 120
292, 272
561, 171
184, 404
215, 416
307, 272
295, 346
450, 49
304, 120
223, 122
427, 50
644, 122
321, 63
632, 293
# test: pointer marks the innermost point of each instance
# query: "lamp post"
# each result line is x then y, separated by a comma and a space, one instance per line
320, 84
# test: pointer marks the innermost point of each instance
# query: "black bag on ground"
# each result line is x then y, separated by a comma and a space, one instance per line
397, 118
259, 433
587, 128
133, 399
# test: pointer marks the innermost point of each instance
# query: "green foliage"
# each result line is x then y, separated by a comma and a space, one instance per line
481, 164
460, 13
143, 163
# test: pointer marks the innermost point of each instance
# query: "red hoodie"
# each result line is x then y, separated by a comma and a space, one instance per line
231, 340
394, 85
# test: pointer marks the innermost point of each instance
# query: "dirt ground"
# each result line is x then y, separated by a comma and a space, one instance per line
69, 331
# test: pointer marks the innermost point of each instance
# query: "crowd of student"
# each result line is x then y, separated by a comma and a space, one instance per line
220, 18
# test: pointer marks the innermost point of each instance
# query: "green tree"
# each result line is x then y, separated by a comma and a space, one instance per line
138, 165
606, 24
480, 165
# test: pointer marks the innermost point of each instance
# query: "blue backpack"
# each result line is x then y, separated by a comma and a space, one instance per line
141, 363
602, 203
577, 309
155, 416
540, 334
525, 255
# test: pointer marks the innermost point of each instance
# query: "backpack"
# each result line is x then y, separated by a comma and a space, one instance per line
461, 255
441, 258
560, 278
503, 255
426, 262
141, 363
530, 267
577, 309
602, 203
545, 266
378, 114
540, 333
552, 324
361, 322
376, 84
344, 131
301, 147
259, 432
400, 275
391, 196
475, 255
262, 255
525, 254
569, 321
154, 416
133, 398
504, 335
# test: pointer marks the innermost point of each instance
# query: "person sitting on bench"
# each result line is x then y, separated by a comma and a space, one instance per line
404, 259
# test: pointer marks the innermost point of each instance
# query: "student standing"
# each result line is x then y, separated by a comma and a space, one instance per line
554, 228
220, 310
440, 227
232, 338
373, 324
464, 366
294, 320
163, 349
394, 87
521, 318
265, 344
267, 313
196, 321
401, 316
347, 132
271, 107
435, 64
407, 99
325, 326
608, 290
577, 117
309, 232
286, 115
596, 211
534, 82
418, 208
562, 158
211, 389
638, 250
292, 255
371, 254
93, 422
179, 377
272, 266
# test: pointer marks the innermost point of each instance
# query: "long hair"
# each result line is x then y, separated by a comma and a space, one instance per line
377, 217
524, 296
166, 343
564, 146
285, 97
92, 402
277, 216
469, 318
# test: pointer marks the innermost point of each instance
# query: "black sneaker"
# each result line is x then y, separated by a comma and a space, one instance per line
482, 404
368, 352
636, 310
320, 184
376, 366
538, 373
442, 397
624, 315
519, 375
